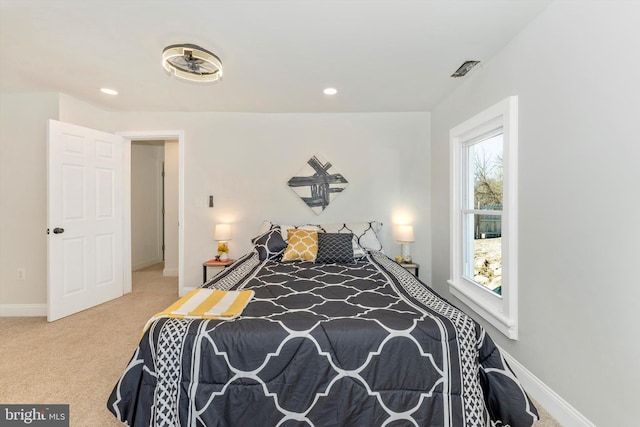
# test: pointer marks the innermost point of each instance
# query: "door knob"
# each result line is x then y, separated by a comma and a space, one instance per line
58, 230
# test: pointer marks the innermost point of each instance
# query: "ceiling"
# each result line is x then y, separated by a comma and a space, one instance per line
278, 55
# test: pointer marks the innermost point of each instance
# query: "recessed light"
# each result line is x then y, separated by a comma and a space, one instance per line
108, 91
330, 91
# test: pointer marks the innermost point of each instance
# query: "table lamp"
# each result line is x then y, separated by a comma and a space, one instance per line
222, 234
404, 236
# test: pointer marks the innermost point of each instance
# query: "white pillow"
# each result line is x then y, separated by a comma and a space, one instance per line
266, 226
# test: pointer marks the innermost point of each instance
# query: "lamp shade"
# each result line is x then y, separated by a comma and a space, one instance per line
405, 233
222, 232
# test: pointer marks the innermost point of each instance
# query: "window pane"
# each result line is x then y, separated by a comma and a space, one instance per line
483, 253
485, 167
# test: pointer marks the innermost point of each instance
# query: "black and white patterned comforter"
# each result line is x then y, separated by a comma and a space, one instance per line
362, 344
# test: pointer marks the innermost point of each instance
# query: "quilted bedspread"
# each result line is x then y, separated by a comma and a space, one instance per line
363, 344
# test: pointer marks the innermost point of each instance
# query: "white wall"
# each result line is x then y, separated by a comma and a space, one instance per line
575, 70
171, 208
245, 160
23, 201
23, 191
78, 112
146, 203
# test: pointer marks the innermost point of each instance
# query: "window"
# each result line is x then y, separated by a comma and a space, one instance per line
484, 152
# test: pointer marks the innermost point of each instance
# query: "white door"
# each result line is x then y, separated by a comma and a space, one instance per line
85, 218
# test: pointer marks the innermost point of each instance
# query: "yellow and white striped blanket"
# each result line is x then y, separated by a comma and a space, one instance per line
205, 303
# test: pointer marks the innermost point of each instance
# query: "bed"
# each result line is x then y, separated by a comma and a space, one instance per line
347, 338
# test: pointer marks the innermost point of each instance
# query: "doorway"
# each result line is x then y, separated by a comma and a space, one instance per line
170, 221
147, 204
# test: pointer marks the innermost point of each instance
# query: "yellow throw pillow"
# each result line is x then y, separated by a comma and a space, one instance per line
303, 245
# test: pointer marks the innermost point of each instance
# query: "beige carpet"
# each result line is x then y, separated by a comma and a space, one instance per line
78, 360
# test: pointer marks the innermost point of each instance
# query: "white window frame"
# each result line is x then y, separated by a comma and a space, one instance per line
501, 311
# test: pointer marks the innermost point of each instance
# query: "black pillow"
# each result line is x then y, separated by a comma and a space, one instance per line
335, 248
269, 245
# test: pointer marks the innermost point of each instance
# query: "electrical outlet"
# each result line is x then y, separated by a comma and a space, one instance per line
22, 274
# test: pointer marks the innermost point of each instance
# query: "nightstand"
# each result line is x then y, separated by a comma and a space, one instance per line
213, 263
412, 266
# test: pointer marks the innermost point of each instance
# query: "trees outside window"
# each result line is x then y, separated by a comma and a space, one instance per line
483, 165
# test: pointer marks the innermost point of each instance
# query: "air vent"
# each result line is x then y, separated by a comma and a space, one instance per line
464, 68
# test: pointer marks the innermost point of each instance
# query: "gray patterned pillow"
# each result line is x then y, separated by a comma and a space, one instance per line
335, 248
365, 235
269, 245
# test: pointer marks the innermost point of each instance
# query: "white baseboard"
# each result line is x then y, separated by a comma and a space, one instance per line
172, 272
555, 405
144, 264
23, 310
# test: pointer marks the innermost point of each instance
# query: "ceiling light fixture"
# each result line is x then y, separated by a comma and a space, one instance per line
330, 91
108, 91
191, 62
464, 68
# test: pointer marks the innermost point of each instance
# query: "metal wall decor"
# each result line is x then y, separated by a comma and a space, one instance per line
318, 183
